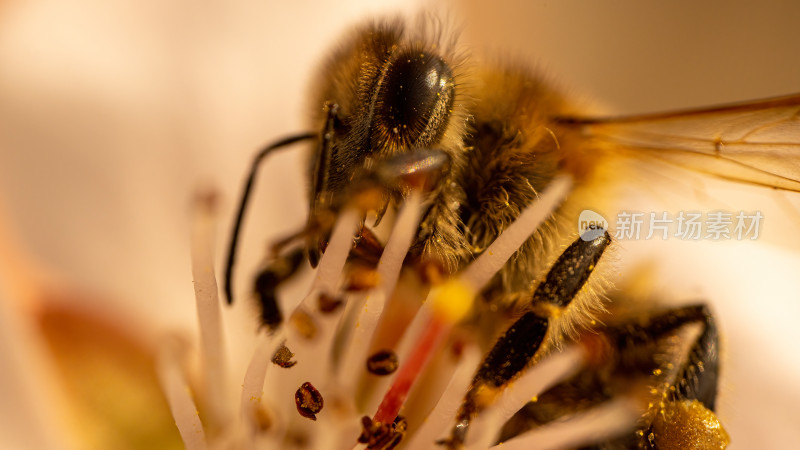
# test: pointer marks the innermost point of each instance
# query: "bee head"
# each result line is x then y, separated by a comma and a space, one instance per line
382, 95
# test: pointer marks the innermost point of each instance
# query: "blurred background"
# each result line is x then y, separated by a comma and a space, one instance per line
113, 113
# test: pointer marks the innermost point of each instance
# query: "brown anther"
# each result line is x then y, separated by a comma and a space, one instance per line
328, 303
382, 363
207, 200
379, 436
362, 278
283, 357
262, 418
367, 247
458, 346
323, 245
308, 400
297, 439
304, 324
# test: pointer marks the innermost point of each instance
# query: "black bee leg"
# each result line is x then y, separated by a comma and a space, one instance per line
248, 187
670, 356
697, 365
268, 281
518, 346
704, 358
684, 378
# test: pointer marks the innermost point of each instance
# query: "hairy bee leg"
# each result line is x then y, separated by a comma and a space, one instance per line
697, 376
683, 413
287, 264
248, 187
683, 387
269, 279
515, 350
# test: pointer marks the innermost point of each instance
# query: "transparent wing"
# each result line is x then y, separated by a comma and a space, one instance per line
756, 143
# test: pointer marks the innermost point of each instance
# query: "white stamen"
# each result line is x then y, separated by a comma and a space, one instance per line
30, 391
253, 384
611, 419
440, 418
331, 264
329, 271
313, 355
511, 239
403, 233
404, 348
556, 367
208, 310
342, 435
179, 398
337, 425
389, 266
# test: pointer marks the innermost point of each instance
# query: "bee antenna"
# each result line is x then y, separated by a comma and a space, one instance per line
248, 187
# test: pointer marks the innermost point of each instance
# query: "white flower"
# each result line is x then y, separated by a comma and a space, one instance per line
111, 112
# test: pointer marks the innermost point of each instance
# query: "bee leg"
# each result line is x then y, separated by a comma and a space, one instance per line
698, 366
657, 353
367, 248
518, 346
269, 279
248, 187
684, 386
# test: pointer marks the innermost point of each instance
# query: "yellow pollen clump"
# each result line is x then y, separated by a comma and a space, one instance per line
453, 300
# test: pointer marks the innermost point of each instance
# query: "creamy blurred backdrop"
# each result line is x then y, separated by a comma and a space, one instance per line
113, 113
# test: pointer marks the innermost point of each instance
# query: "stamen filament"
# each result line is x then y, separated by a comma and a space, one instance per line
442, 414
179, 397
313, 355
603, 422
511, 239
253, 384
208, 309
449, 304
331, 265
389, 267
28, 384
403, 233
472, 280
408, 373
556, 367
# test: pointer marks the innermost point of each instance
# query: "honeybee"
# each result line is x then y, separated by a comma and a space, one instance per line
400, 110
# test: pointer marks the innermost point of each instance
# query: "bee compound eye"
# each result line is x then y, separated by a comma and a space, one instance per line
415, 99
